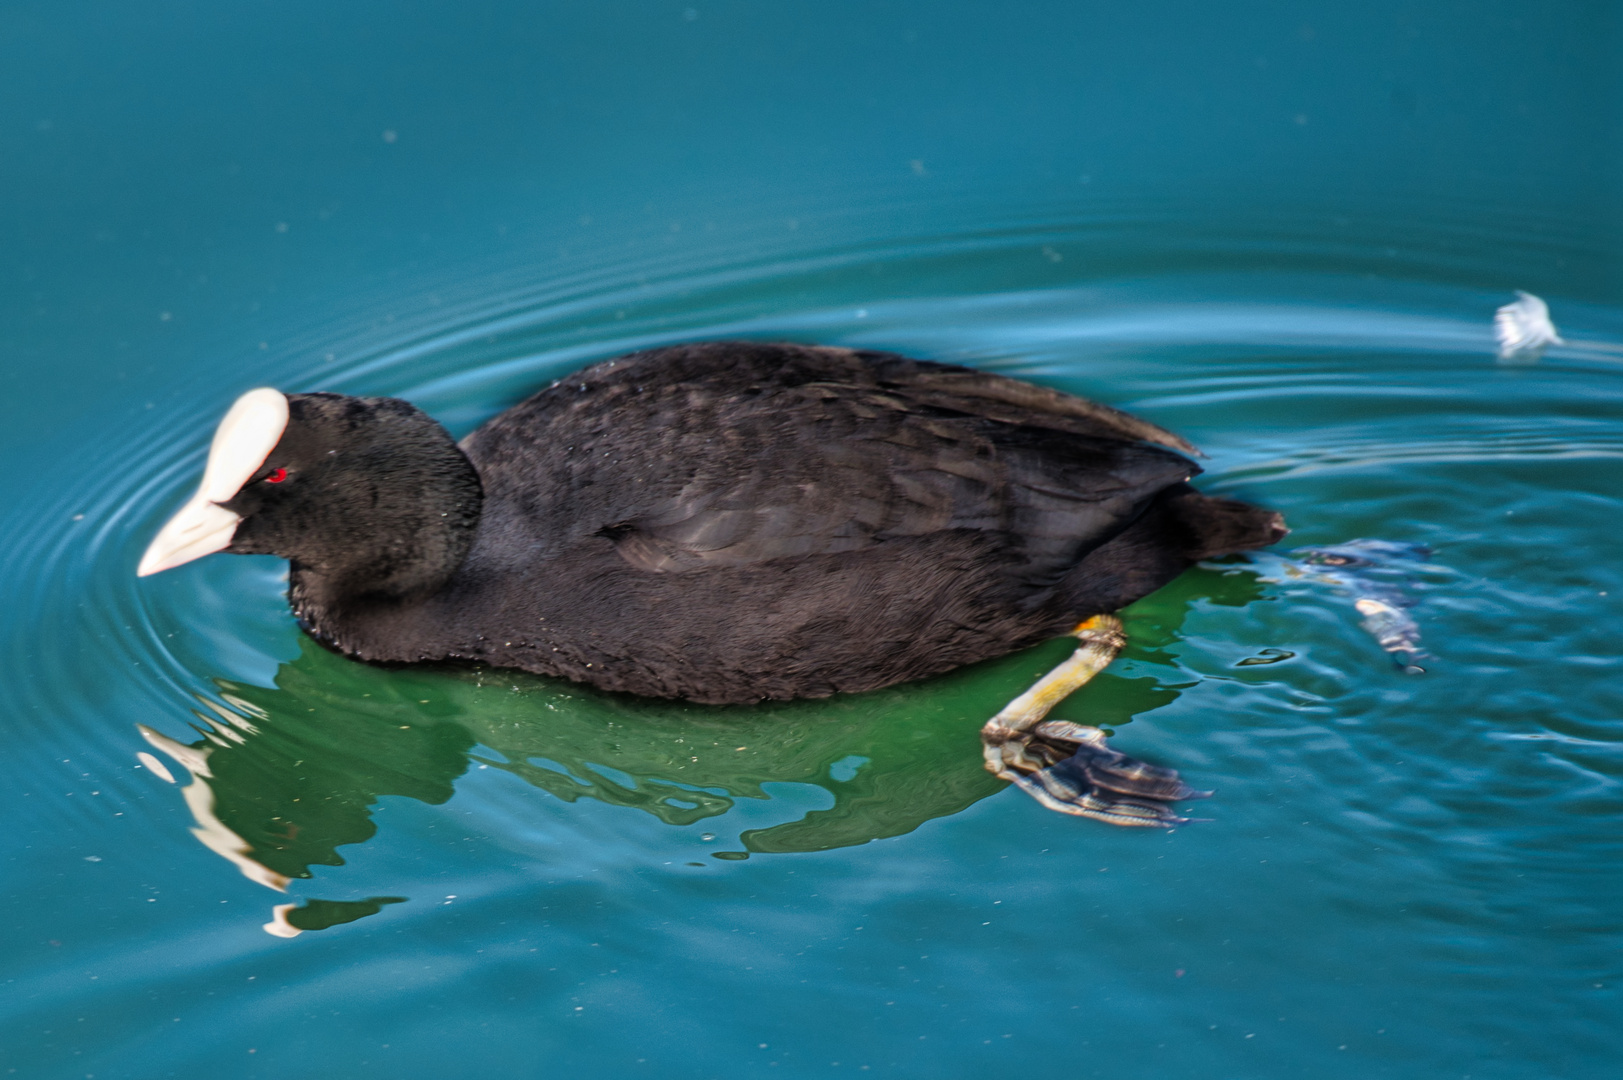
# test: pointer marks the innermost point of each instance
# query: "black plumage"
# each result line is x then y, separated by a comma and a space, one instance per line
731, 522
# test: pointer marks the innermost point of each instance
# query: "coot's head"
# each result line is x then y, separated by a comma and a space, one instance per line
369, 495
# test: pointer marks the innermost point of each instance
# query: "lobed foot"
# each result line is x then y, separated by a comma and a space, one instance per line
1069, 768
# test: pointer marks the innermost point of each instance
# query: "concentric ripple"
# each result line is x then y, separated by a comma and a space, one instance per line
1286, 380
1361, 407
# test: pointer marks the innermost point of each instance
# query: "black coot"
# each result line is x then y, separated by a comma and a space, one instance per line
732, 522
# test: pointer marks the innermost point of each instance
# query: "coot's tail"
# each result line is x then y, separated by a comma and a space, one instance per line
1208, 527
1179, 528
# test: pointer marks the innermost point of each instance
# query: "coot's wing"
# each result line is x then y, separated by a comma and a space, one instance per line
838, 474
998, 397
758, 453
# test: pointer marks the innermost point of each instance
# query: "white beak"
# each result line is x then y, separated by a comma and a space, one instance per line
242, 442
201, 528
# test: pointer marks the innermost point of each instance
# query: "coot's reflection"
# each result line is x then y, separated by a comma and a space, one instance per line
285, 776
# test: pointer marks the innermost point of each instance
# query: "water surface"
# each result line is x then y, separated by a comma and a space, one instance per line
1280, 233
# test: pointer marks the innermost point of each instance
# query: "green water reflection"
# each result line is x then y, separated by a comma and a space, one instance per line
284, 776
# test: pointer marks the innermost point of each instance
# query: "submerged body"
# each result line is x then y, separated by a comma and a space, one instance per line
722, 522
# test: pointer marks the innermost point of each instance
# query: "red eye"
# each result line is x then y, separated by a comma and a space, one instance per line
276, 477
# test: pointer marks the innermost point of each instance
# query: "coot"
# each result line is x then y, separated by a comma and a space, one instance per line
732, 522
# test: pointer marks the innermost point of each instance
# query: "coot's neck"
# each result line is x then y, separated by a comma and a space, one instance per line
365, 601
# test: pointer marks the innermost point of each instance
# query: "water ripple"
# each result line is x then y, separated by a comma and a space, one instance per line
1310, 390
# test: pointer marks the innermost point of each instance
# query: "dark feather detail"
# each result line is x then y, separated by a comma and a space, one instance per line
734, 521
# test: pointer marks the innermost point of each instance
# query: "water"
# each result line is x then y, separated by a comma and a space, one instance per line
1281, 232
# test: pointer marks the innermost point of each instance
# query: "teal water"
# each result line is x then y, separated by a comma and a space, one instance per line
1280, 230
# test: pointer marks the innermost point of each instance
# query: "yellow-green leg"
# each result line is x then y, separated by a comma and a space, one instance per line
1067, 767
